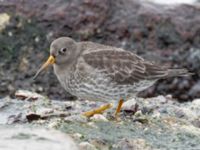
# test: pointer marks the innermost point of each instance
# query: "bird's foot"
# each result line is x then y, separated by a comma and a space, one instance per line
99, 110
121, 101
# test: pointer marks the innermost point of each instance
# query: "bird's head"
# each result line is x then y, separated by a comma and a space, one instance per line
62, 51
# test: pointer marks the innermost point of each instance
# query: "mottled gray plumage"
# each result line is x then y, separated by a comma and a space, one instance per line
98, 72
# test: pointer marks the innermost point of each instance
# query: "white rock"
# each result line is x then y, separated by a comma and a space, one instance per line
132, 144
161, 99
44, 111
99, 117
92, 124
27, 95
156, 115
190, 129
4, 20
196, 102
13, 138
129, 105
54, 123
86, 146
190, 114
138, 113
77, 135
169, 97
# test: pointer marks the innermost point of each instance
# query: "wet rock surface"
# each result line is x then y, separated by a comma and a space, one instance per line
160, 33
158, 123
22, 138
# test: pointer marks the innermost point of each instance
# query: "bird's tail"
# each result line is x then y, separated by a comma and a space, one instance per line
178, 72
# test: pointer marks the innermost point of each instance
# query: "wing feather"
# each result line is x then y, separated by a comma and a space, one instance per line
123, 67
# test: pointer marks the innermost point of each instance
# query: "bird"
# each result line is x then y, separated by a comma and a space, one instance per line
100, 72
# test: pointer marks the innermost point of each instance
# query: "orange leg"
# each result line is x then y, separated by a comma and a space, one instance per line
121, 101
99, 110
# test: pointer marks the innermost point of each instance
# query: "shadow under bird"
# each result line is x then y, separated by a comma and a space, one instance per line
98, 72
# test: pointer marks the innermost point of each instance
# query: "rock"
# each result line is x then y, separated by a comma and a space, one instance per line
193, 58
54, 123
16, 118
156, 115
146, 110
69, 105
86, 146
195, 104
138, 114
169, 97
132, 144
100, 144
195, 90
27, 95
192, 109
77, 136
180, 113
130, 106
196, 122
141, 119
14, 111
44, 111
4, 20
92, 125
178, 122
22, 138
190, 129
33, 116
99, 117
162, 99
76, 118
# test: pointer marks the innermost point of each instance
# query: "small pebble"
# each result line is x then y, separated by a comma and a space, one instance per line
54, 123
77, 136
43, 111
92, 124
132, 144
86, 146
156, 115
138, 113
129, 105
99, 117
27, 95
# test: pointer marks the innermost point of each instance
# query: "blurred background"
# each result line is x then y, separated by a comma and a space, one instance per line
166, 34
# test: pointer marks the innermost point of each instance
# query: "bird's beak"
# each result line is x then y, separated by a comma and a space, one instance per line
50, 61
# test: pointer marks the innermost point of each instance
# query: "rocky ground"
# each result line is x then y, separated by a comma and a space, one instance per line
157, 123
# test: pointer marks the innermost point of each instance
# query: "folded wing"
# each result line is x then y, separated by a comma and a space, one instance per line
124, 67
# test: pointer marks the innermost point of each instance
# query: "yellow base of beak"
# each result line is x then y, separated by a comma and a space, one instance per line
50, 61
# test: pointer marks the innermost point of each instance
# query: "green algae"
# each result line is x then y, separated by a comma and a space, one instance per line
157, 134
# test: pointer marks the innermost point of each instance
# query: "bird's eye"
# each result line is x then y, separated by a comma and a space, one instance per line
62, 50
